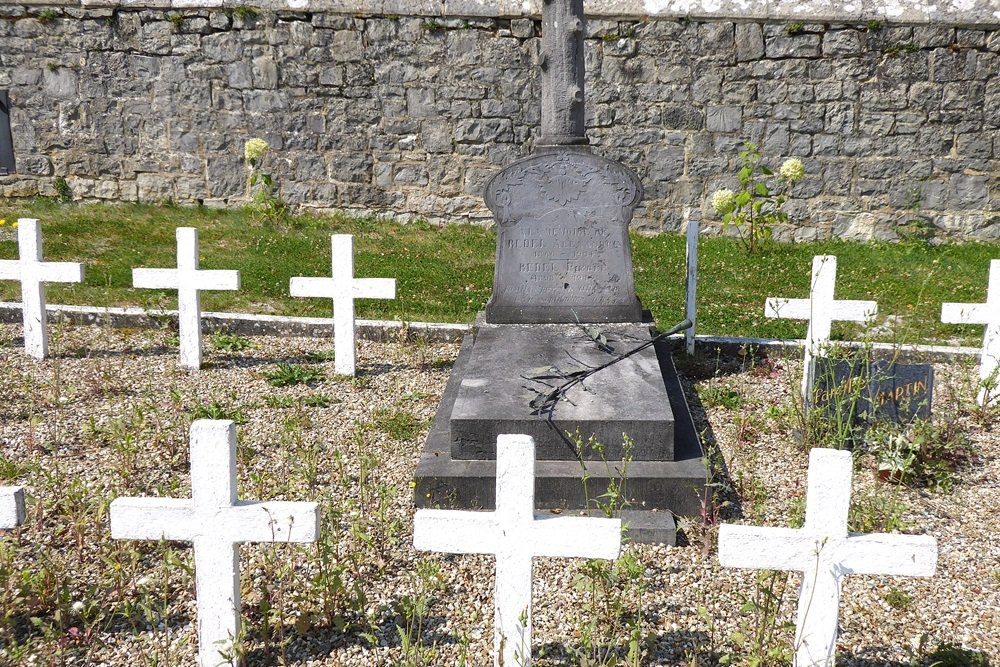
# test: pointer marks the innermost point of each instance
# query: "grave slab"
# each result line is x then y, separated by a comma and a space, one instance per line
655, 489
627, 397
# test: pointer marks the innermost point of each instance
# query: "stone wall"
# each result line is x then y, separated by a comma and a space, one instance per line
410, 115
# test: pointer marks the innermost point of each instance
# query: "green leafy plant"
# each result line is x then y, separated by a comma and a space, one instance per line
217, 410
873, 25
285, 374
898, 599
176, 20
245, 12
756, 207
793, 28
47, 16
763, 638
413, 609
432, 25
266, 203
64, 192
230, 343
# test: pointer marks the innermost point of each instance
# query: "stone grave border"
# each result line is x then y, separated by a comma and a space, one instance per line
383, 330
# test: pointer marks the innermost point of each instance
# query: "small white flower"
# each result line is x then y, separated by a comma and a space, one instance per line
723, 201
792, 170
78, 607
254, 149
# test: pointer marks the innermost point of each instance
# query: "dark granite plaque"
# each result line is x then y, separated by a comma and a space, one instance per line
865, 392
562, 241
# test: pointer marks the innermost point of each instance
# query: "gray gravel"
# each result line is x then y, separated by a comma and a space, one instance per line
58, 423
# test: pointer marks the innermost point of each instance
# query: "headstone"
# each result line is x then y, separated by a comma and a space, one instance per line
515, 534
11, 506
33, 273
562, 240
691, 285
865, 392
216, 522
344, 288
989, 314
824, 552
190, 282
821, 310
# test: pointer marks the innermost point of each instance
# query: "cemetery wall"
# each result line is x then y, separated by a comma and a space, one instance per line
895, 117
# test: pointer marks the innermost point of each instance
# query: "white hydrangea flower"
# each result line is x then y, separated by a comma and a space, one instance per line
723, 201
792, 170
255, 149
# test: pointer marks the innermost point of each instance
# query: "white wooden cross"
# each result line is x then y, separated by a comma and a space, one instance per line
216, 522
514, 533
989, 314
189, 281
343, 288
11, 506
824, 552
33, 274
821, 310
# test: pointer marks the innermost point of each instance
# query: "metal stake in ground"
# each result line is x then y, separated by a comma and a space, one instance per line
216, 522
11, 506
989, 314
821, 310
189, 281
515, 534
824, 552
691, 284
33, 274
343, 288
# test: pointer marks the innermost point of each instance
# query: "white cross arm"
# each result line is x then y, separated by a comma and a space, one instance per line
10, 269
247, 521
11, 506
314, 287
968, 313
331, 288
217, 279
576, 537
54, 272
880, 553
788, 309
374, 288
854, 311
62, 272
766, 548
155, 278
451, 531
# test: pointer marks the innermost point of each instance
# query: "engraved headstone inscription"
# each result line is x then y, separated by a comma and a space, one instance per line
562, 240
868, 392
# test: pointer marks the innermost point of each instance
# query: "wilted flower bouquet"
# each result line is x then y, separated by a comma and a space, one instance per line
756, 207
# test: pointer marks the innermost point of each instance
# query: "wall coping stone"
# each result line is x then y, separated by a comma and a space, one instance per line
979, 13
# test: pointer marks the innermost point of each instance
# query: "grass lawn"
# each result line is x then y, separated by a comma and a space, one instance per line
444, 274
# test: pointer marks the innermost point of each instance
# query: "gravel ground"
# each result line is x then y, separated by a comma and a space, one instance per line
108, 415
